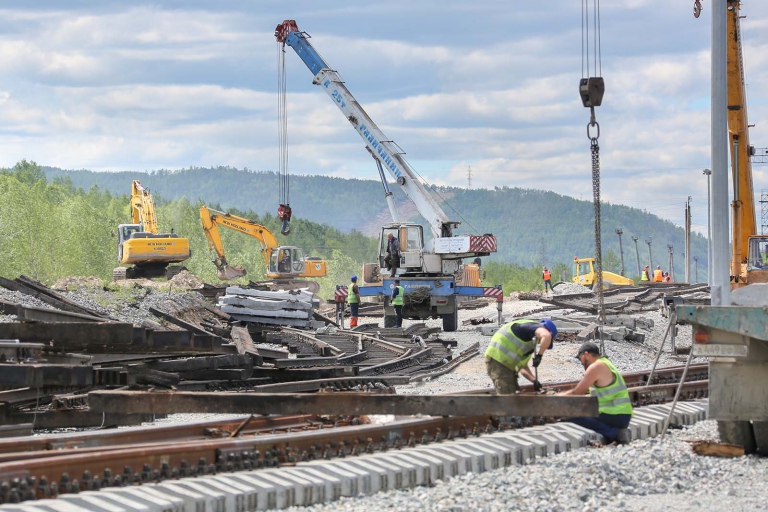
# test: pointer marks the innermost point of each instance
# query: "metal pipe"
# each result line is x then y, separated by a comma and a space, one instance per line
708, 174
720, 287
637, 255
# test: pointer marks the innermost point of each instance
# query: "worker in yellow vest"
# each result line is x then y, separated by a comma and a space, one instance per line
658, 275
644, 275
398, 297
512, 347
603, 380
353, 299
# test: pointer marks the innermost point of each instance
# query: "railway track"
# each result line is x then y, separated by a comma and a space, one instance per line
48, 466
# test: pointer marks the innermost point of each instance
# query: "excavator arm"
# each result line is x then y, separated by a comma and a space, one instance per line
143, 208
212, 219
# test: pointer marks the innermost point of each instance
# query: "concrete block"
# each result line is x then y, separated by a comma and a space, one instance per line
331, 484
382, 473
556, 443
579, 436
352, 480
78, 503
449, 464
193, 500
521, 451
252, 497
462, 460
434, 468
269, 494
285, 490
148, 499
214, 499
488, 330
424, 470
540, 448
307, 490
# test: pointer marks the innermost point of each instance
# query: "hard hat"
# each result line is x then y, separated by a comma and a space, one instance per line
550, 326
658, 266
353, 278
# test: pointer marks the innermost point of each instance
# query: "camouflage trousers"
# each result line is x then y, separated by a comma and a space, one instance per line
504, 379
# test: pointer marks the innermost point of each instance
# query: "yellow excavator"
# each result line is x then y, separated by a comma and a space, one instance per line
286, 264
144, 251
584, 274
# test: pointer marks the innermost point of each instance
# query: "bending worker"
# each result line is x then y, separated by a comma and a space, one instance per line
512, 347
603, 380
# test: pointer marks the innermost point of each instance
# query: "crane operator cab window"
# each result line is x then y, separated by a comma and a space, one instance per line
297, 260
413, 241
284, 261
758, 252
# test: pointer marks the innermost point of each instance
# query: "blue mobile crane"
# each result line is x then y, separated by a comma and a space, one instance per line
426, 272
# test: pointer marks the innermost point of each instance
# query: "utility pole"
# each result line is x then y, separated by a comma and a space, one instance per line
637, 255
696, 268
687, 241
469, 177
650, 258
671, 264
620, 232
708, 174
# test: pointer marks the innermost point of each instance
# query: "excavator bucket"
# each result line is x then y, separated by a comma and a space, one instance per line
228, 272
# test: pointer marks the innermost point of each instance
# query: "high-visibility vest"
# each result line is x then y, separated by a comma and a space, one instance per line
351, 297
398, 301
613, 398
644, 275
508, 349
657, 275
547, 275
765, 257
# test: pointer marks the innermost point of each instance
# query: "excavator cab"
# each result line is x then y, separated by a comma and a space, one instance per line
287, 260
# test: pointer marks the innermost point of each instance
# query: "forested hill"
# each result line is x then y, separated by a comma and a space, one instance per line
533, 227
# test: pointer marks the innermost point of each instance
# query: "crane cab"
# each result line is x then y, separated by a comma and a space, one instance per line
755, 270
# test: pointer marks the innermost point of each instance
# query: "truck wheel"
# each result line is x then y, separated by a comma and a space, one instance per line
737, 432
390, 321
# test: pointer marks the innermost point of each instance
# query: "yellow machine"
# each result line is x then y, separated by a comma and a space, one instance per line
139, 244
749, 260
584, 274
284, 263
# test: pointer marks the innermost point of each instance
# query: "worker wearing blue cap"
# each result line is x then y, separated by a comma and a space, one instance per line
510, 349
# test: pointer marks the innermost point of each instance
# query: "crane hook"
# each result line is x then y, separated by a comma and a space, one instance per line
696, 8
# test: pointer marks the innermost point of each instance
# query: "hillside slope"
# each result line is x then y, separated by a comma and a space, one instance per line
533, 227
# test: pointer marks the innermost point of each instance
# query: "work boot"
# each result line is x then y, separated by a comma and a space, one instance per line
623, 436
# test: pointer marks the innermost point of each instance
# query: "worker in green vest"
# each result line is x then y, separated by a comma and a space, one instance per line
353, 299
603, 380
512, 347
398, 296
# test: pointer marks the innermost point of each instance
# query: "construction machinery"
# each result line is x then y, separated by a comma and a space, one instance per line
749, 259
584, 274
148, 253
287, 267
427, 269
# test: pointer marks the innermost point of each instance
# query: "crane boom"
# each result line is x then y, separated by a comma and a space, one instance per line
384, 149
748, 250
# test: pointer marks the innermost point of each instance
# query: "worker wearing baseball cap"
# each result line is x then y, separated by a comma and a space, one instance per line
603, 380
644, 274
510, 349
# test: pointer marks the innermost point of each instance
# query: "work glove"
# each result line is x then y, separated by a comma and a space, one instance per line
537, 386
536, 360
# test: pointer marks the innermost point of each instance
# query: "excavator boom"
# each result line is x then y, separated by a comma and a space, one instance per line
284, 263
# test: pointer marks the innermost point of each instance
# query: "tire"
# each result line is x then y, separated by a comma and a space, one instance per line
737, 432
390, 321
451, 320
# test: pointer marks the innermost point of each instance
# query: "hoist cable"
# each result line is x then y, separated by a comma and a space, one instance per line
282, 132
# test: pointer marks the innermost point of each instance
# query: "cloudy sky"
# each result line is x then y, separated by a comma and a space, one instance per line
486, 85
